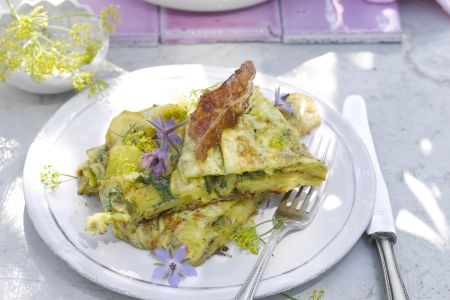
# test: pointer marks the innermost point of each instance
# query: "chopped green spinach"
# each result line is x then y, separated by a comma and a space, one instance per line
161, 184
114, 196
209, 183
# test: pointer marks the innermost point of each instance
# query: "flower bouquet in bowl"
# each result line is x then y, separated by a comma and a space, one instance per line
50, 48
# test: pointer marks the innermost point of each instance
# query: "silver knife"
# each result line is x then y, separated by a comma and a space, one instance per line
381, 229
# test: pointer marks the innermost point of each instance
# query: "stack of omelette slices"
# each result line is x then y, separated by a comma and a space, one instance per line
235, 148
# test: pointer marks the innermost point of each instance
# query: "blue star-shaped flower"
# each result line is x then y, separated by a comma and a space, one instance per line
158, 159
281, 101
173, 266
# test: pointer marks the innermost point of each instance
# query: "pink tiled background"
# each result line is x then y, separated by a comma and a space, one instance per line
288, 21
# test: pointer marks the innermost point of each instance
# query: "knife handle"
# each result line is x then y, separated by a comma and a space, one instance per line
395, 287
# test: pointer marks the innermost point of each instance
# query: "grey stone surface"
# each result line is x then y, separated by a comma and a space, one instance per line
407, 89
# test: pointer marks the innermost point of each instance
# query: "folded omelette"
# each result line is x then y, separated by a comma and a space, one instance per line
237, 147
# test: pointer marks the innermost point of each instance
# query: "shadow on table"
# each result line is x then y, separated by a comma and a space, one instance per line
339, 274
59, 281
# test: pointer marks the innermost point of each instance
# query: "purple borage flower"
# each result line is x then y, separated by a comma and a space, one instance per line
281, 101
173, 266
158, 159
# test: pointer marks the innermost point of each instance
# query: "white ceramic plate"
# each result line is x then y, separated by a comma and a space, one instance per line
206, 5
59, 216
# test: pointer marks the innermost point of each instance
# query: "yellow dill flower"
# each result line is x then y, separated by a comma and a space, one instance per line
82, 80
110, 17
42, 64
14, 62
50, 177
74, 60
138, 138
97, 86
60, 49
85, 80
90, 51
26, 25
81, 33
32, 45
317, 295
3, 68
247, 238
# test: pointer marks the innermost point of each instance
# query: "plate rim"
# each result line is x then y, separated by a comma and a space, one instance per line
205, 7
64, 249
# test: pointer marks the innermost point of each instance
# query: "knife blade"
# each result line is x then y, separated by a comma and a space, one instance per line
381, 229
382, 220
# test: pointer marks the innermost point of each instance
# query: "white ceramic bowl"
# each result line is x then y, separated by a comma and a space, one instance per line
206, 5
61, 82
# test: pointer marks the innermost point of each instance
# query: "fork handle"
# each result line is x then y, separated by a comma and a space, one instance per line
395, 287
248, 289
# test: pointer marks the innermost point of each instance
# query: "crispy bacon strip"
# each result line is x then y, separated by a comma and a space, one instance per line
220, 109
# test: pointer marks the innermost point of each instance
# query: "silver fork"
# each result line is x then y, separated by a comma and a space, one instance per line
294, 218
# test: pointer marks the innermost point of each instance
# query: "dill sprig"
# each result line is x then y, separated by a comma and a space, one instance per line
51, 178
34, 44
110, 17
316, 295
247, 237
